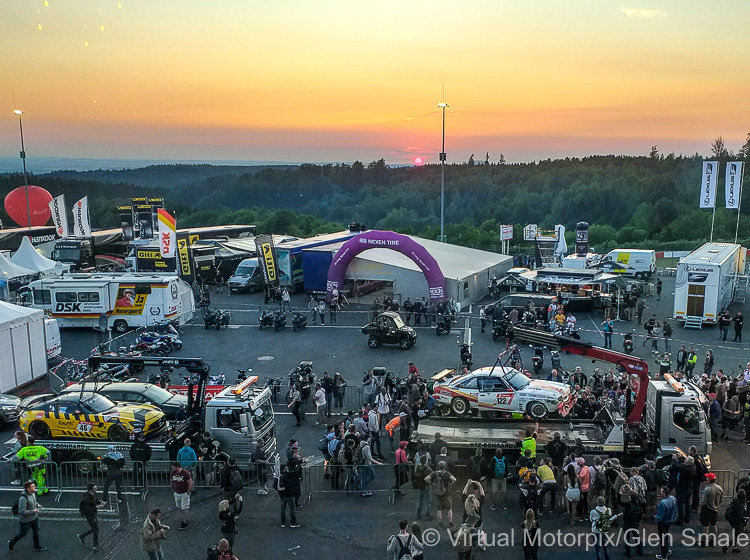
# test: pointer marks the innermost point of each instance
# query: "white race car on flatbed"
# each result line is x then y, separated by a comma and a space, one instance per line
505, 390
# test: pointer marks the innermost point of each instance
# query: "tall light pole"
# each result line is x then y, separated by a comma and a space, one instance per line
443, 105
23, 158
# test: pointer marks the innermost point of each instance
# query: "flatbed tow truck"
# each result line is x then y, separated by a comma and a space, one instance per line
666, 417
237, 418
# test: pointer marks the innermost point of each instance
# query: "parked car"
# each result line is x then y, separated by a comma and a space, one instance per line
389, 328
504, 390
10, 408
139, 393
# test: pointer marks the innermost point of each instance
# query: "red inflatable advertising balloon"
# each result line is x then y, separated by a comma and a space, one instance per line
39, 199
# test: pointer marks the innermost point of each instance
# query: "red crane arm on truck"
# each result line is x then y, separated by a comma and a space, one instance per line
631, 364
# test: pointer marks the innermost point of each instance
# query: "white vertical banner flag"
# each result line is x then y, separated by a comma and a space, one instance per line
708, 184
732, 184
167, 233
57, 207
81, 224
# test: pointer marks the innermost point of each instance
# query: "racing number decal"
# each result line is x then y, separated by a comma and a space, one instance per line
504, 398
84, 427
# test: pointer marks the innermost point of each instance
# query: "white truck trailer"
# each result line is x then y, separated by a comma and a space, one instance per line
706, 282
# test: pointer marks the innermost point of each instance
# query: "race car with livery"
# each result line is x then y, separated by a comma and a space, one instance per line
91, 416
504, 390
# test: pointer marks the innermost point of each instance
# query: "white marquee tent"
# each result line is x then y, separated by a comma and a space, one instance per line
23, 355
28, 257
10, 270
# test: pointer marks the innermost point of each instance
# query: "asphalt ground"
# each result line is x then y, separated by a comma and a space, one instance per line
335, 525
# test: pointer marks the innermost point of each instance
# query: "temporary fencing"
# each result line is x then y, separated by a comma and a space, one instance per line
19, 472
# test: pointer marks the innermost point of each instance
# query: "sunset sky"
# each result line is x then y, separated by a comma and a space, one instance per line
337, 81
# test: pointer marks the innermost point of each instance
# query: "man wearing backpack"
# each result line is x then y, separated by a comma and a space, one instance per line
228, 478
598, 478
557, 449
28, 516
363, 459
601, 521
666, 515
632, 516
89, 509
424, 496
442, 481
528, 497
399, 546
736, 516
498, 476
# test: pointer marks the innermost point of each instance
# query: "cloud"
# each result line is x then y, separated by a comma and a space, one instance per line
642, 13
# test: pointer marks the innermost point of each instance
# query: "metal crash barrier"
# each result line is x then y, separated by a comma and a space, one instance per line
14, 473
76, 476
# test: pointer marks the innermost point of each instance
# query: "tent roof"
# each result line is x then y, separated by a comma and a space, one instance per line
28, 257
15, 315
455, 261
9, 269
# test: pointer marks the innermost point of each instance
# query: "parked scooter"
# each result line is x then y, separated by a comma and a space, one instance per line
279, 320
499, 329
627, 343
537, 360
216, 318
299, 321
466, 360
265, 319
555, 359
443, 326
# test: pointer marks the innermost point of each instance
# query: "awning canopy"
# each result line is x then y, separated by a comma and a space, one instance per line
9, 270
570, 276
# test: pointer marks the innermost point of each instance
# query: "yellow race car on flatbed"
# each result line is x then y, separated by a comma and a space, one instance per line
92, 417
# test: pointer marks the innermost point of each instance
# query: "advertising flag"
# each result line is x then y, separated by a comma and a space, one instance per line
81, 223
167, 233
708, 184
183, 257
267, 259
57, 207
145, 220
731, 187
126, 222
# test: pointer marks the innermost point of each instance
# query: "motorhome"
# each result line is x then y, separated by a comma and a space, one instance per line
126, 300
706, 281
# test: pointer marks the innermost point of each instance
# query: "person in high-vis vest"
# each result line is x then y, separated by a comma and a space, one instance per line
746, 418
529, 442
35, 455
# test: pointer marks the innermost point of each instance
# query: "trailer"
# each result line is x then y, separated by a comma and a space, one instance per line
666, 417
706, 281
126, 300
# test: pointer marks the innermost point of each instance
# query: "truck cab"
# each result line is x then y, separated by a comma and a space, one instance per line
674, 411
240, 416
78, 253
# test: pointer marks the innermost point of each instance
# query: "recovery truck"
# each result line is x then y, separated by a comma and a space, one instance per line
666, 417
237, 417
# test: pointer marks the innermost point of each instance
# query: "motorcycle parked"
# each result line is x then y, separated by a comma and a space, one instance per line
499, 329
152, 349
162, 379
537, 360
172, 337
279, 320
303, 375
275, 385
555, 359
216, 318
265, 319
443, 326
243, 374
466, 356
627, 343
299, 321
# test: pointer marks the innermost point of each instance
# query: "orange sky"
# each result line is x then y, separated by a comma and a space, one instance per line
329, 80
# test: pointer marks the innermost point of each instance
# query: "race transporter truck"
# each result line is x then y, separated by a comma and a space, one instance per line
237, 418
666, 416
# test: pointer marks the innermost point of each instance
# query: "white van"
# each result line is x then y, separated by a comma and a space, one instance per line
127, 300
640, 263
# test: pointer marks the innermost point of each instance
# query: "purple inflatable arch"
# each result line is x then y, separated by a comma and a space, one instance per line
386, 240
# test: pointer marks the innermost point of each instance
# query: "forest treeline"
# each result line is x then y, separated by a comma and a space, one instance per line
641, 201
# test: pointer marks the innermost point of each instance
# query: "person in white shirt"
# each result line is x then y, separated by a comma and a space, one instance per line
320, 405
373, 423
286, 300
